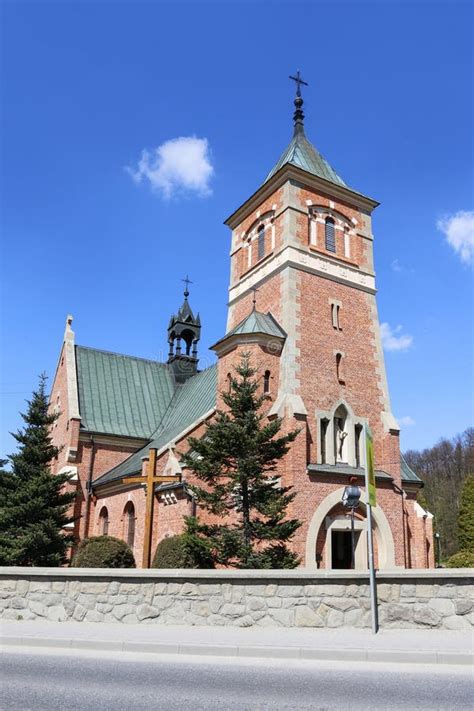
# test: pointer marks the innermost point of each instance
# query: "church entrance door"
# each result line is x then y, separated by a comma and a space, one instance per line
341, 549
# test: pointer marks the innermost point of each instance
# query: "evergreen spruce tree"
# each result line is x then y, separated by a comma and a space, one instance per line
34, 508
236, 462
466, 515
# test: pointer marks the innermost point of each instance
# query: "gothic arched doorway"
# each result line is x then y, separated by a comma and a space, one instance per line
328, 531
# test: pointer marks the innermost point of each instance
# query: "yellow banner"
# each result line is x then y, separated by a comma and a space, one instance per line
370, 468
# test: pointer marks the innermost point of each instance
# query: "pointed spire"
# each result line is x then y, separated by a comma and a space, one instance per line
300, 152
298, 116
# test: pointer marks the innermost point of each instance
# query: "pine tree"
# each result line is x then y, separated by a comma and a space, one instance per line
34, 508
466, 516
236, 462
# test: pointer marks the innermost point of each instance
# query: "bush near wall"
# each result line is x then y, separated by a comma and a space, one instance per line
173, 552
463, 559
103, 552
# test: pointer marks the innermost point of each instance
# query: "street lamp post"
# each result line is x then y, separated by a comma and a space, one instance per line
350, 499
438, 548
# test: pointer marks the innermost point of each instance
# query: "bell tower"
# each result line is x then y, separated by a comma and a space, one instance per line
184, 332
304, 240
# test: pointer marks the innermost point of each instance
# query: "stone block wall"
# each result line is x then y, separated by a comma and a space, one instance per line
442, 599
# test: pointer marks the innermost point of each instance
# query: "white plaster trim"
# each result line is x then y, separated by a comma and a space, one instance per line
383, 533
420, 511
69, 470
288, 404
302, 260
343, 523
389, 422
71, 376
172, 466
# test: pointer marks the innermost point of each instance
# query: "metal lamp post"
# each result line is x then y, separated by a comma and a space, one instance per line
350, 499
438, 546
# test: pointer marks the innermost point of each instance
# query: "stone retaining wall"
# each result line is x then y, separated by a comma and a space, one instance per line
407, 598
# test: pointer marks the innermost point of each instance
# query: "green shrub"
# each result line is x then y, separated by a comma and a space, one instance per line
173, 552
463, 559
103, 552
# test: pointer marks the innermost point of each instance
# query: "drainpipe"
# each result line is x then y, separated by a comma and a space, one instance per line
402, 498
89, 488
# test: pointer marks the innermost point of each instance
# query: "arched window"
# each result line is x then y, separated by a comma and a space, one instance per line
129, 516
266, 382
261, 241
229, 382
104, 521
339, 372
330, 235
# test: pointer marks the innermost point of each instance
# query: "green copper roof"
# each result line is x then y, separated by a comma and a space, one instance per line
304, 155
121, 395
407, 473
256, 322
191, 401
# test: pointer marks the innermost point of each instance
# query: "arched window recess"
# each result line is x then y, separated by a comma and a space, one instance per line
129, 523
339, 437
104, 521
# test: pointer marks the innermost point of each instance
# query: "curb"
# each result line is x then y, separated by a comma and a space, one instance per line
398, 656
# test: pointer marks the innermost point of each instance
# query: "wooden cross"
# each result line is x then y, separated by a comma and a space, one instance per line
149, 481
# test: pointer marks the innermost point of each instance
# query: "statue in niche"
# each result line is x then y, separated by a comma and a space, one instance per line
341, 435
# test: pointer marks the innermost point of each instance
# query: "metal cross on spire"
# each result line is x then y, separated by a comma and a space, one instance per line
187, 281
298, 81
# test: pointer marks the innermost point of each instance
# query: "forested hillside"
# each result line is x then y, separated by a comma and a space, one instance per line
444, 469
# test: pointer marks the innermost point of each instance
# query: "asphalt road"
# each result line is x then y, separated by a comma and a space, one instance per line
66, 683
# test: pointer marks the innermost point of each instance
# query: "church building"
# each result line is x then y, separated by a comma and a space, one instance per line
302, 303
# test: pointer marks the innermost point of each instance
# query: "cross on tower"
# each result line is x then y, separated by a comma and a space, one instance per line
187, 281
254, 300
298, 81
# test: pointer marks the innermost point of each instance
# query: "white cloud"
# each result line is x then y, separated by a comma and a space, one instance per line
406, 421
459, 232
181, 165
400, 268
393, 339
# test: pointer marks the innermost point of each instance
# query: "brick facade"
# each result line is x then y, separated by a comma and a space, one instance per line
328, 380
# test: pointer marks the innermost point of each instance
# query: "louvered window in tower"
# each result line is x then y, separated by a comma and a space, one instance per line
261, 241
330, 235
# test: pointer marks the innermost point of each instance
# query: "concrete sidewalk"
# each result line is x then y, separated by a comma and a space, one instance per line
394, 646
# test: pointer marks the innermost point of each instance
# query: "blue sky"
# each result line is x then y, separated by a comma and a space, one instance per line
87, 86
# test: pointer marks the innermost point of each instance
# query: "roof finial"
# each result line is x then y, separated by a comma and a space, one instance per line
298, 116
187, 281
254, 300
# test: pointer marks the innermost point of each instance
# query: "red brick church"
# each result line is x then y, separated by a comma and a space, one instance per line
304, 241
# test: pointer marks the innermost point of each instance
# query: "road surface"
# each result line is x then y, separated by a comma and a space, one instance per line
65, 682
